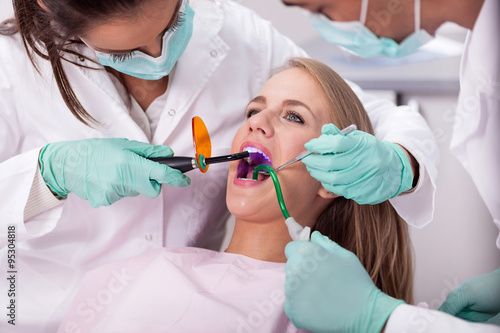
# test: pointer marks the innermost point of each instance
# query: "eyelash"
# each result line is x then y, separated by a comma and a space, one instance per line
249, 113
178, 22
173, 28
295, 114
121, 57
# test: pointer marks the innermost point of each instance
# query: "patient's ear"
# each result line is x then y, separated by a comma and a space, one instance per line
327, 194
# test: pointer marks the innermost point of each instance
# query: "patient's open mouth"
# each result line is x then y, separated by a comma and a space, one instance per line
248, 164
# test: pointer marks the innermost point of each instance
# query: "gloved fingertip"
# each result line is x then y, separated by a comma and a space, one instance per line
178, 179
452, 305
315, 236
323, 241
310, 144
330, 129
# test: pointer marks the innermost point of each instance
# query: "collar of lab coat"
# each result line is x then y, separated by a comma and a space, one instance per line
203, 55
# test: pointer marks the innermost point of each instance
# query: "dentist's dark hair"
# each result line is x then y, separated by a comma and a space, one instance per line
50, 32
375, 233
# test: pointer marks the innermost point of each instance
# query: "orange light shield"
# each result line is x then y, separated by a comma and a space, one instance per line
201, 143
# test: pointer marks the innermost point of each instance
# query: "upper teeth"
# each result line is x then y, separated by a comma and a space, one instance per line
255, 150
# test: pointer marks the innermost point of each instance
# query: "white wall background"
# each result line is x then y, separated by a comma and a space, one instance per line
5, 9
459, 243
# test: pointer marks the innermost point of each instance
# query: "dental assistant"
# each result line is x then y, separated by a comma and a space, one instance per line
341, 287
119, 81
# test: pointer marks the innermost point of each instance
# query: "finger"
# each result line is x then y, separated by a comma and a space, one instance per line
327, 179
328, 144
146, 184
169, 176
455, 302
330, 162
150, 175
334, 183
362, 191
474, 316
336, 143
495, 320
353, 176
330, 129
324, 242
147, 150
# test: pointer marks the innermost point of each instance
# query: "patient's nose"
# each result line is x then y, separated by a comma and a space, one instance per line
260, 123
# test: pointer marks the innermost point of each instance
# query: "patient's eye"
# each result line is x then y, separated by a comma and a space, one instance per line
251, 112
294, 117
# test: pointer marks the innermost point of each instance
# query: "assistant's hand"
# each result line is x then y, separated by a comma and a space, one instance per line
103, 171
358, 166
477, 299
328, 290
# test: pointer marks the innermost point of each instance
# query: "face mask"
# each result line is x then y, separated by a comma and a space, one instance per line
356, 37
143, 66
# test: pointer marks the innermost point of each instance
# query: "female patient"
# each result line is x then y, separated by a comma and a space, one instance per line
242, 289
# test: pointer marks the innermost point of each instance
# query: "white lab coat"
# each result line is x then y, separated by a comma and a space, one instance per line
476, 132
412, 319
476, 143
228, 59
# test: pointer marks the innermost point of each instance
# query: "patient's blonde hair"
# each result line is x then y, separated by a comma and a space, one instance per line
375, 233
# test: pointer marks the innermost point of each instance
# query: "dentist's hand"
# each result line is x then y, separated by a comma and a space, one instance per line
103, 171
328, 290
477, 299
358, 166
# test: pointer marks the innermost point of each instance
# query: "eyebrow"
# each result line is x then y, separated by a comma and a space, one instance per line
287, 3
294, 102
169, 25
287, 102
258, 99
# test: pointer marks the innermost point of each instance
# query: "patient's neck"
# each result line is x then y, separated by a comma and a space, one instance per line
262, 241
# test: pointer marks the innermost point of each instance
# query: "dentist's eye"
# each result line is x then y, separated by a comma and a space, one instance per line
121, 57
251, 112
178, 22
294, 117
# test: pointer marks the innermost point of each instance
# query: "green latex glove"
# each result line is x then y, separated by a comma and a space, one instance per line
477, 299
358, 166
328, 290
103, 171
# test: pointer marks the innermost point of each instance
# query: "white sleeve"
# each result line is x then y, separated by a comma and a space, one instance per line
16, 180
411, 319
405, 126
17, 172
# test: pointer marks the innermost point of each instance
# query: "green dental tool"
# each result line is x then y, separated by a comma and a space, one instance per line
277, 186
297, 232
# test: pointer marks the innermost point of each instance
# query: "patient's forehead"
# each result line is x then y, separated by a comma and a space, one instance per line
297, 84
